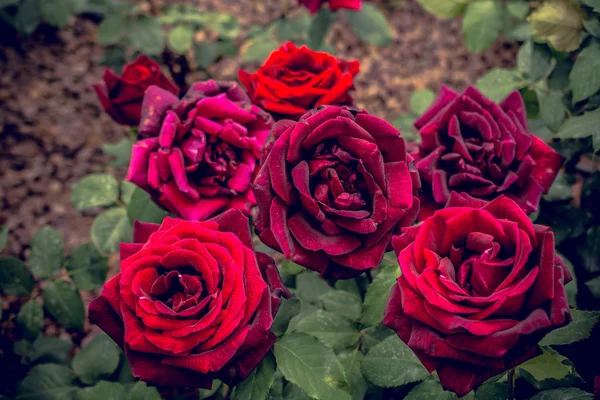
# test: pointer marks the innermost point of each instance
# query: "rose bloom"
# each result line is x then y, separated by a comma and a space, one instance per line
332, 188
200, 152
334, 5
474, 146
294, 80
121, 96
192, 302
480, 286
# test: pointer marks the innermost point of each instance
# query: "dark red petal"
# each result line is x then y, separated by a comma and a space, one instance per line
154, 107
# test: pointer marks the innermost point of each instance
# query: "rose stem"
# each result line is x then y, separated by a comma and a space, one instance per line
511, 384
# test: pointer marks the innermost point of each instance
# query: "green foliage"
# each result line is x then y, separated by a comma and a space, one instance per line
430, 389
120, 151
579, 329
257, 385
319, 27
47, 253
444, 8
563, 394
378, 293
141, 207
111, 228
482, 23
95, 190
335, 331
584, 80
558, 22
342, 303
370, 25
15, 278
499, 83
3, 237
47, 382
98, 360
103, 391
30, 318
63, 303
87, 267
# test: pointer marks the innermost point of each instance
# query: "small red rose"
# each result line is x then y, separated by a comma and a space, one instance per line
334, 5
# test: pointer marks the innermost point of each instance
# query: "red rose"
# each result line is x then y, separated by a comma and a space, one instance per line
480, 286
334, 5
294, 80
192, 302
121, 97
332, 188
201, 151
472, 145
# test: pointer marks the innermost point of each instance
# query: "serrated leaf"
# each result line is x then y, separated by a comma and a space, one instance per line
545, 366
592, 26
370, 25
30, 318
47, 382
582, 126
50, 349
57, 12
258, 383
558, 22
351, 362
482, 23
289, 309
141, 391
63, 303
319, 27
333, 330
392, 363
492, 391
147, 36
560, 189
585, 75
444, 8
311, 365
47, 253
342, 303
579, 329
291, 268
111, 228
310, 286
534, 61
430, 389
552, 110
103, 391
206, 53
421, 100
142, 208
521, 31
15, 278
563, 394
3, 237
112, 29
120, 152
499, 83
378, 293
95, 190
180, 38
96, 361
87, 267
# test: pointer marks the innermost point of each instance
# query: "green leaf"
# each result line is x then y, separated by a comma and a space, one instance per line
142, 208
6, 3
559, 78
430, 389
319, 27
592, 26
147, 35
291, 268
15, 278
103, 391
595, 4
96, 361
30, 318
378, 293
95, 190
224, 24
482, 23
289, 29
289, 308
47, 382
351, 361
207, 393
226, 48
57, 12
258, 383
585, 75
492, 391
499, 83
545, 366
444, 8
342, 303
47, 253
579, 329
560, 189
582, 126
333, 330
120, 152
348, 285
63, 303
518, 9
28, 17
558, 22
310, 286
141, 391
593, 286
127, 189
3, 237
181, 38
50, 349
391, 363
87, 267
521, 31
306, 309
259, 46
111, 228
563, 394
312, 366
370, 25
534, 61
112, 29
552, 110
421, 100
206, 53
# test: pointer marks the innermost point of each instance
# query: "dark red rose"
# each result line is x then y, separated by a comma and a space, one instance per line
192, 302
332, 188
472, 145
121, 96
294, 80
334, 5
480, 286
201, 151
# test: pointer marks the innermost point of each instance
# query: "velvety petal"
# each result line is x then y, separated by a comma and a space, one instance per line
154, 107
237, 223
314, 239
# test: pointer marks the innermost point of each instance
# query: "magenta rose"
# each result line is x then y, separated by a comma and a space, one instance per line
199, 154
334, 5
193, 301
480, 286
472, 145
121, 96
332, 188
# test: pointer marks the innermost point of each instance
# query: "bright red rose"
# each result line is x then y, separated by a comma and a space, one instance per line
192, 302
121, 96
480, 286
201, 151
332, 188
294, 80
334, 5
472, 145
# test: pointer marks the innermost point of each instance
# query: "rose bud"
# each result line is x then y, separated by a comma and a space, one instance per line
121, 96
294, 80
201, 151
334, 5
193, 301
480, 286
472, 145
332, 188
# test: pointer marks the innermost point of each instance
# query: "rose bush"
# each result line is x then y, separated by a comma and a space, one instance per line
472, 145
480, 286
199, 154
332, 188
314, 5
294, 80
192, 302
121, 96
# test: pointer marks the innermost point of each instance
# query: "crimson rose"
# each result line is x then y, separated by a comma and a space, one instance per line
201, 151
480, 286
472, 145
294, 80
332, 188
192, 302
334, 5
121, 96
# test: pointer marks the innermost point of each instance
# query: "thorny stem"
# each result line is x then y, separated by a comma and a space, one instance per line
511, 384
